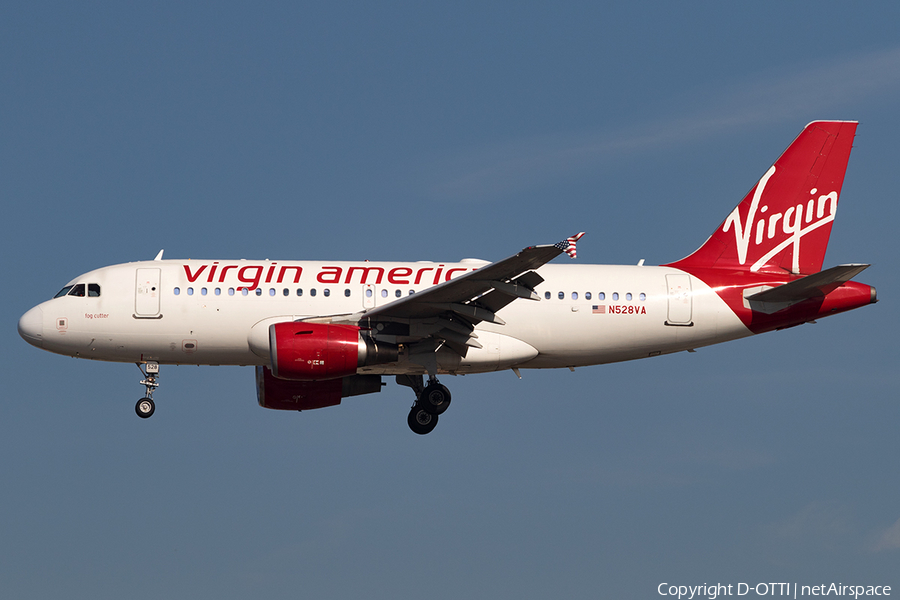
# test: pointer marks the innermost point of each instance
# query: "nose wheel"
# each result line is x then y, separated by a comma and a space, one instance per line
145, 407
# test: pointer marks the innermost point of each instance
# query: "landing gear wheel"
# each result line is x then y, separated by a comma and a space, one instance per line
435, 398
421, 421
145, 408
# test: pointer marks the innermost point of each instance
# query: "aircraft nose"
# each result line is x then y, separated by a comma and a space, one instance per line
31, 326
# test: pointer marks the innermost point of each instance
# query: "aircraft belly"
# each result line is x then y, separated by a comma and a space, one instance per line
497, 352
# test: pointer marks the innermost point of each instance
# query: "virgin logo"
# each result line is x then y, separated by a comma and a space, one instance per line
784, 229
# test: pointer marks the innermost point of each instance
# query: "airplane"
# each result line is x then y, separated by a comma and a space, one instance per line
320, 331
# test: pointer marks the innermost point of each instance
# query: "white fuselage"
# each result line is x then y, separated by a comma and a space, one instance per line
219, 312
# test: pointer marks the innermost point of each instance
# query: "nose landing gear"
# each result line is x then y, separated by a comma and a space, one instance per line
145, 407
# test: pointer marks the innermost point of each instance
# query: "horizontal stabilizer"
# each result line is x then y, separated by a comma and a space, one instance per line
812, 286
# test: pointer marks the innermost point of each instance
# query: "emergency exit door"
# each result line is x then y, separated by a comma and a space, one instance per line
146, 293
680, 301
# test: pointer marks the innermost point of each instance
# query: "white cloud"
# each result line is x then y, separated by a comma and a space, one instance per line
888, 539
825, 524
800, 94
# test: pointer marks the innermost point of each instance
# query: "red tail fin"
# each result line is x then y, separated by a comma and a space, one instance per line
784, 222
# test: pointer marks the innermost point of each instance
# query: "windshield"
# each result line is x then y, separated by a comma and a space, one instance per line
63, 291
93, 290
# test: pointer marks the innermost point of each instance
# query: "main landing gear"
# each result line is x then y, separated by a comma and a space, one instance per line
431, 401
145, 407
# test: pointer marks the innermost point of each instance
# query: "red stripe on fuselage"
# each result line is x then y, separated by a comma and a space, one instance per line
729, 285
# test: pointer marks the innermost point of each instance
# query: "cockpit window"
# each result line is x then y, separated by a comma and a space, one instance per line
93, 290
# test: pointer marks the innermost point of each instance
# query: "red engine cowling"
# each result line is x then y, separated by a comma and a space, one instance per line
307, 395
317, 352
314, 352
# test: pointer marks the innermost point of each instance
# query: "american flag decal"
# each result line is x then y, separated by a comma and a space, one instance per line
598, 310
568, 245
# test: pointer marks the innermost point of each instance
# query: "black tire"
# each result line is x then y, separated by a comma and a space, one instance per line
421, 421
435, 398
145, 408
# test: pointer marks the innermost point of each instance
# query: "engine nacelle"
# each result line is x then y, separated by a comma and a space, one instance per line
280, 394
317, 352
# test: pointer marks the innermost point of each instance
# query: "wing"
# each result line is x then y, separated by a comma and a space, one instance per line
446, 314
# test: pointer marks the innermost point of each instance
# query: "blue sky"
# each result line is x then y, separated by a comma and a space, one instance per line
412, 132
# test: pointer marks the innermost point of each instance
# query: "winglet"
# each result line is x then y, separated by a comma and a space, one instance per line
159, 256
568, 245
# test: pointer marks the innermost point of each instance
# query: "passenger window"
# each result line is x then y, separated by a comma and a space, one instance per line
231, 291
546, 295
411, 292
190, 291
245, 291
615, 295
271, 291
397, 293
601, 296
384, 293
327, 292
287, 292
562, 295
643, 296
628, 296
93, 290
259, 291
63, 291
218, 291
177, 291
574, 295
312, 292
587, 295
347, 293
368, 292
77, 290
202, 291
299, 291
